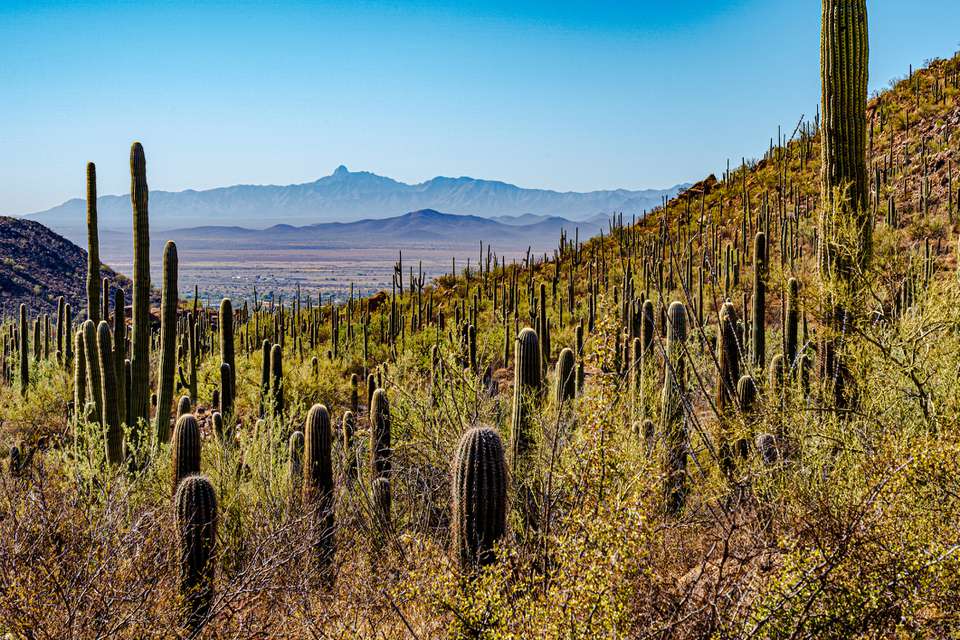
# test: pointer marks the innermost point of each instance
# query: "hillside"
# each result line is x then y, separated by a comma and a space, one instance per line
346, 196
37, 266
661, 432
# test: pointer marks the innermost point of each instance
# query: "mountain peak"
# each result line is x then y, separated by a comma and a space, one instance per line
341, 171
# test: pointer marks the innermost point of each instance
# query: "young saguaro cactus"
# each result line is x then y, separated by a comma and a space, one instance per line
120, 350
380, 437
79, 378
348, 426
227, 354
728, 359
844, 71
673, 424
186, 449
196, 508
139, 391
24, 346
276, 379
111, 408
168, 342
318, 481
566, 376
479, 496
791, 324
93, 247
527, 384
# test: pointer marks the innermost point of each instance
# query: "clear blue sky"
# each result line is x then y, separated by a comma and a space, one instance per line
564, 95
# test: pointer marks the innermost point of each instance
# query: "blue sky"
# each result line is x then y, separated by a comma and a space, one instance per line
562, 95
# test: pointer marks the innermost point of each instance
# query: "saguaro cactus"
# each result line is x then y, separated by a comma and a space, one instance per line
93, 247
348, 426
186, 449
527, 383
79, 378
728, 353
276, 379
295, 463
479, 496
791, 323
108, 381
24, 347
566, 376
168, 342
226, 344
844, 70
196, 505
380, 444
758, 333
318, 481
94, 381
672, 414
120, 350
139, 391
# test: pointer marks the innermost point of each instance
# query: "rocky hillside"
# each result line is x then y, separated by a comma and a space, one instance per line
37, 266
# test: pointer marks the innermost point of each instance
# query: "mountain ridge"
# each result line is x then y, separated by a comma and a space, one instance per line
348, 196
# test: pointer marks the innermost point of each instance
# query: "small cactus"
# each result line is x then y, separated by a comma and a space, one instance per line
479, 496
728, 358
196, 508
380, 445
295, 462
185, 449
566, 376
348, 426
183, 406
318, 482
527, 384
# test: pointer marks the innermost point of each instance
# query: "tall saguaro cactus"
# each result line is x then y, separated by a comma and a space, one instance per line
93, 247
94, 381
758, 334
139, 391
527, 383
672, 414
226, 344
479, 496
24, 347
844, 61
728, 360
318, 480
168, 342
380, 440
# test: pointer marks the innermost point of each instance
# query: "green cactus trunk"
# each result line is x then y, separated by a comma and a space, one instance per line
226, 346
24, 351
479, 487
380, 437
566, 376
196, 509
758, 333
94, 381
93, 247
139, 391
111, 408
673, 423
168, 342
185, 449
318, 495
120, 351
527, 384
728, 359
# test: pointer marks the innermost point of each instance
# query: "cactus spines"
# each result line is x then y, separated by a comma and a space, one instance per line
168, 342
139, 391
276, 379
93, 247
24, 346
380, 437
791, 326
318, 480
566, 376
196, 508
758, 332
526, 387
844, 69
728, 358
94, 381
108, 383
185, 451
479, 496
183, 406
226, 348
673, 424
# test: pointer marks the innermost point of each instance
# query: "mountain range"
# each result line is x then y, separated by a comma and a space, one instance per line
347, 196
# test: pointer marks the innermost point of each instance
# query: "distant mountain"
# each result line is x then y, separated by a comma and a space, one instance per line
38, 266
417, 228
345, 196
